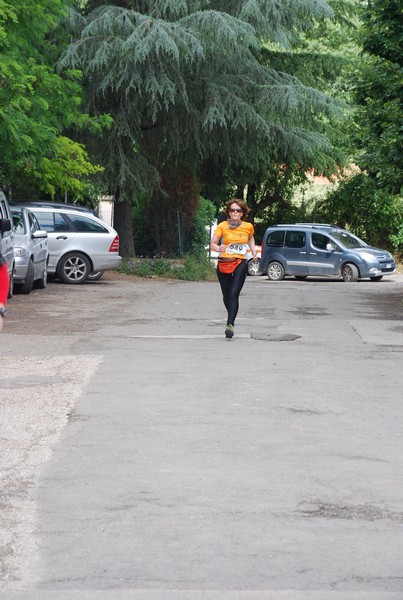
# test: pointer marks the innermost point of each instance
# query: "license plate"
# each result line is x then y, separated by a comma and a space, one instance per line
388, 266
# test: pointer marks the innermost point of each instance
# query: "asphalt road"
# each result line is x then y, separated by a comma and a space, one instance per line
145, 457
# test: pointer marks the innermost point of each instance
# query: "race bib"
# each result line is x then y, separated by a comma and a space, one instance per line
237, 249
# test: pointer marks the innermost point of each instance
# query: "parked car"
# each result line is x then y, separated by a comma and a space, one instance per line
79, 242
321, 250
6, 240
254, 265
30, 251
92, 276
63, 205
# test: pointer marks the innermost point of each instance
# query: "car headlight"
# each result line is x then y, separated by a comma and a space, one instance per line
19, 252
369, 257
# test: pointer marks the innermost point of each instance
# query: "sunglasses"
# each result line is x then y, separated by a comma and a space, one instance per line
235, 210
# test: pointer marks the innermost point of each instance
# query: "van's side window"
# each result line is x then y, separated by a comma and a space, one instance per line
319, 240
295, 239
275, 238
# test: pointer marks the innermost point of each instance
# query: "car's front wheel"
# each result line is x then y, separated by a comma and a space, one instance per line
254, 267
349, 272
26, 287
275, 271
74, 268
41, 283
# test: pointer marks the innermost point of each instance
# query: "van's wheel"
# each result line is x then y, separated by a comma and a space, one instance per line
74, 268
26, 287
349, 272
275, 271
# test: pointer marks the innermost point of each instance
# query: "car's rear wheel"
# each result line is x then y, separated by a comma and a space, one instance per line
349, 272
74, 268
275, 271
95, 275
377, 278
26, 287
254, 267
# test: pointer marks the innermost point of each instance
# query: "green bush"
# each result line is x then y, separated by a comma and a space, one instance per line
397, 241
199, 237
192, 268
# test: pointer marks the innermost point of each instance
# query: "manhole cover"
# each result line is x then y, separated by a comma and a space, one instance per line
270, 337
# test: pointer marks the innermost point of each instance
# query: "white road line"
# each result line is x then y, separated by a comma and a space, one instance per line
187, 337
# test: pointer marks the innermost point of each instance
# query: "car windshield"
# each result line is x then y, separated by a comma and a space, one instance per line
348, 240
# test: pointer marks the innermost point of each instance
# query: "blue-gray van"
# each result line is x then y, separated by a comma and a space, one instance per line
320, 250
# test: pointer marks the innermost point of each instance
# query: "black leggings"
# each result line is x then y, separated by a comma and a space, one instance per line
231, 286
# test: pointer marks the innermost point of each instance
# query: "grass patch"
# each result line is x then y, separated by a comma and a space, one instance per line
191, 268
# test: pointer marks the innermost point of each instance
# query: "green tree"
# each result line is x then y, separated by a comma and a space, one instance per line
190, 95
370, 212
36, 104
379, 95
371, 202
320, 56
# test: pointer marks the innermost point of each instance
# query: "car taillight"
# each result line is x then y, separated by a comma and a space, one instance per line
114, 247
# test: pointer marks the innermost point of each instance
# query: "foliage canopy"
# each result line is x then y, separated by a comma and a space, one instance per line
36, 103
186, 84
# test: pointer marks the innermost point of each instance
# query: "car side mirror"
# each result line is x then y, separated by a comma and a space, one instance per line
39, 234
330, 247
5, 225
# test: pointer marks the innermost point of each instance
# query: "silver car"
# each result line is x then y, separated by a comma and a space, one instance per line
79, 243
30, 252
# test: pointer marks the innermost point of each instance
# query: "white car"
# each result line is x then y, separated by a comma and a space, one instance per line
79, 242
254, 265
30, 251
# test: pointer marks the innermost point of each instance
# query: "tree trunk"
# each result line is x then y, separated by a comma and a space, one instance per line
251, 201
124, 226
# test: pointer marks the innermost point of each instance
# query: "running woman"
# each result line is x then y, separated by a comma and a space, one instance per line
233, 238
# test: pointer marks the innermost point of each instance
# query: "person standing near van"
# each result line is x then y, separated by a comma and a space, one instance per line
233, 238
4, 285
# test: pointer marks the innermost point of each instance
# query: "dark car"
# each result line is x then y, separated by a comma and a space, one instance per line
321, 250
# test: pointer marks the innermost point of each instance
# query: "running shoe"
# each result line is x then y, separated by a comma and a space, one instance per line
229, 331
